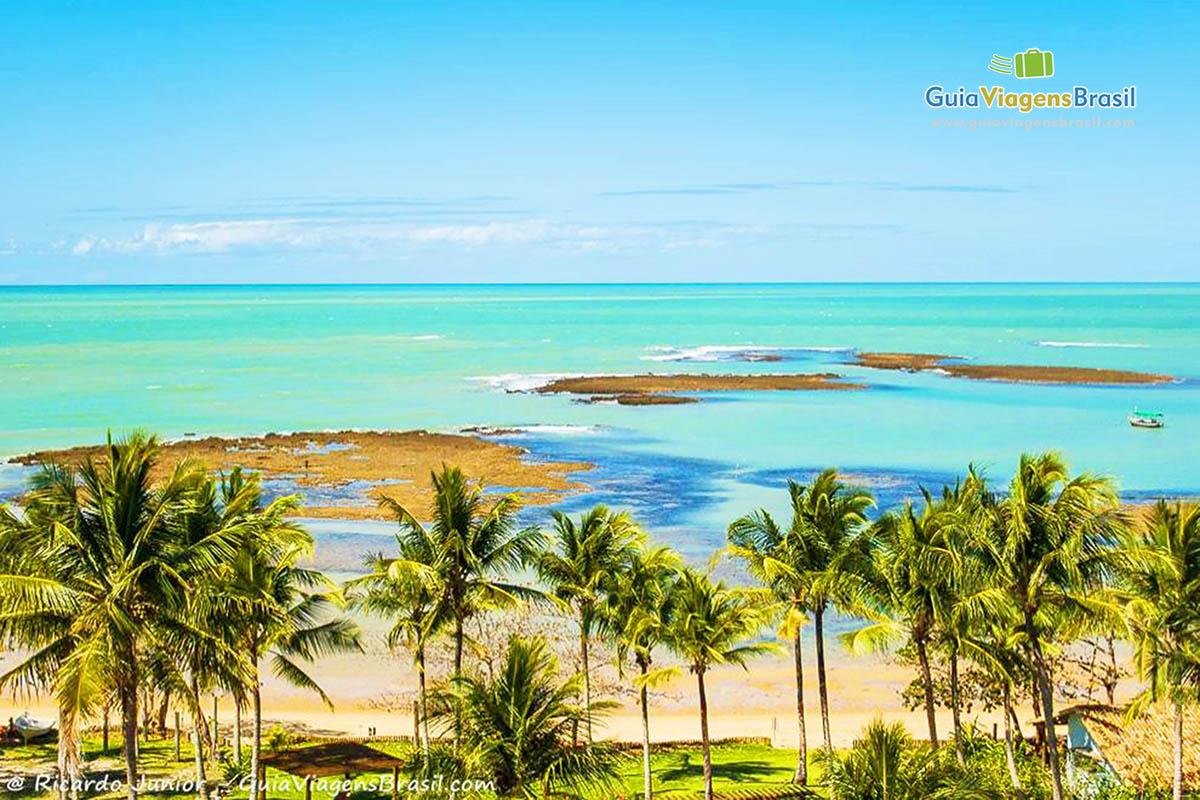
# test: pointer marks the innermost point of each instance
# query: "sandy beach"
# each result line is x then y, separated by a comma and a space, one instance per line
759, 702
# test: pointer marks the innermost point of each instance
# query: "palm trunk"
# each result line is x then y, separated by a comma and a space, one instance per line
237, 730
1009, 750
216, 732
458, 653
1018, 734
424, 703
644, 697
129, 727
1047, 695
68, 753
164, 706
955, 706
822, 687
587, 681
256, 735
1177, 783
200, 729
800, 776
1112, 673
708, 773
927, 678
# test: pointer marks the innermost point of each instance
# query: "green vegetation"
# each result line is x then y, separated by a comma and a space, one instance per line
679, 771
586, 558
144, 595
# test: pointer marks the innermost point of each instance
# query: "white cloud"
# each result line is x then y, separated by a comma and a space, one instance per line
84, 246
398, 237
490, 233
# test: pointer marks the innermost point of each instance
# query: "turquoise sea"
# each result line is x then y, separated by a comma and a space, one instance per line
251, 359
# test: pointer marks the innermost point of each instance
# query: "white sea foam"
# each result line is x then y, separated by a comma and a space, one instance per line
428, 337
729, 352
1050, 343
528, 382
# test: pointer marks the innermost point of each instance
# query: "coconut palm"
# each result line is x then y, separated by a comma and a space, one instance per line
516, 727
40, 629
106, 572
884, 763
284, 615
472, 547
783, 560
637, 613
206, 655
711, 625
587, 556
1161, 571
838, 545
1051, 550
982, 625
914, 567
404, 589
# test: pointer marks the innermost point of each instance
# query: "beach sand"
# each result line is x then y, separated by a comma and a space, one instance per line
1009, 373
757, 702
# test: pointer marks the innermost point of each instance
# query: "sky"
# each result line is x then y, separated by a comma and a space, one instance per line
575, 141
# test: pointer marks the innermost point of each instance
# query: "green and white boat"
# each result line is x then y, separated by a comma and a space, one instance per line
1146, 419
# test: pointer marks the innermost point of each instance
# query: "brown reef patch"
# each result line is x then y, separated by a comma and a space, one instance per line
645, 399
1010, 373
394, 464
651, 389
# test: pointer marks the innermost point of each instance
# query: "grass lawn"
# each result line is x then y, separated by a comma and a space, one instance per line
677, 773
680, 773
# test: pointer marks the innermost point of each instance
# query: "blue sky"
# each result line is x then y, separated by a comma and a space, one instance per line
614, 141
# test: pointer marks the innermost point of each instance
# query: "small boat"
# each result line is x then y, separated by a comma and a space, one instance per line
1146, 419
29, 728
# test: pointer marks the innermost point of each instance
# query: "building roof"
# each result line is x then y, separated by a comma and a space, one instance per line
1141, 750
333, 758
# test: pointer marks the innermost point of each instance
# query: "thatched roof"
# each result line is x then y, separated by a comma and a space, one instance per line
1141, 750
333, 758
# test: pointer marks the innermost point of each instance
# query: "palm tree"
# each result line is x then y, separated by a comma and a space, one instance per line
404, 589
34, 627
587, 557
838, 543
914, 568
638, 612
283, 614
516, 727
472, 547
710, 625
784, 561
104, 571
884, 763
1051, 549
205, 655
1161, 571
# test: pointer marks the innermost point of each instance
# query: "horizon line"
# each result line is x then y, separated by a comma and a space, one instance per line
432, 284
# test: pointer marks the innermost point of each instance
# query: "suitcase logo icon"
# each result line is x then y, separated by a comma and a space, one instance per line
1033, 63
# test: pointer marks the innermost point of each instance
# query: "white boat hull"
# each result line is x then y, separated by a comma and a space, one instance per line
1139, 422
29, 728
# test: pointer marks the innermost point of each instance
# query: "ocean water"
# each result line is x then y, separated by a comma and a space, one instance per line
245, 360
